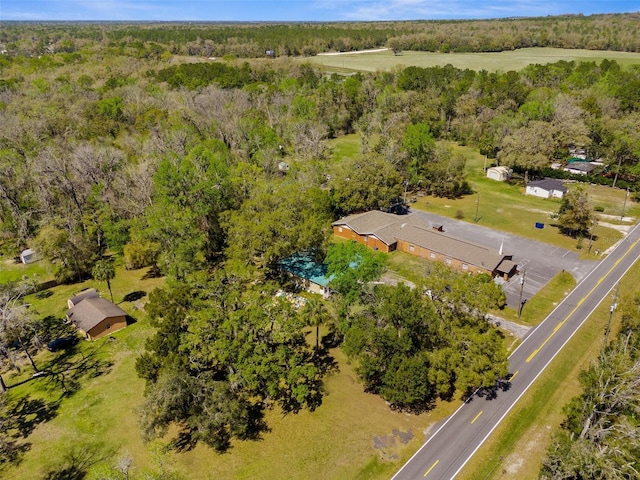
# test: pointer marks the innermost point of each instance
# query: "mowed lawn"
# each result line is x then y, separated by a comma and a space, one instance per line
95, 420
491, 62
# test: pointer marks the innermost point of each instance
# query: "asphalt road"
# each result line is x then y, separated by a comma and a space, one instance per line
538, 261
447, 450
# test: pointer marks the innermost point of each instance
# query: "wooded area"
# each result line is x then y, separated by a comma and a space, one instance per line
152, 40
114, 146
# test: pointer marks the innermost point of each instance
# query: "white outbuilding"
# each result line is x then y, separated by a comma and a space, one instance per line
499, 173
547, 188
28, 256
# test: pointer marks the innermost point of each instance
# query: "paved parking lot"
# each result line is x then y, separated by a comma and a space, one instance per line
538, 262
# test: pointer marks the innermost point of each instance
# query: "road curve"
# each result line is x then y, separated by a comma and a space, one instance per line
447, 450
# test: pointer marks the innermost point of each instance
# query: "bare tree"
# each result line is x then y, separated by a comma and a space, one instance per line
16, 322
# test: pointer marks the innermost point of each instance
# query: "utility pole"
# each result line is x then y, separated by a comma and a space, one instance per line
615, 179
624, 205
477, 205
612, 308
520, 304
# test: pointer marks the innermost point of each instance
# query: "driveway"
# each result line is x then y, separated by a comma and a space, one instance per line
537, 262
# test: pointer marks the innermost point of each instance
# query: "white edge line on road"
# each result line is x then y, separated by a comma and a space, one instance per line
530, 333
512, 353
542, 370
432, 436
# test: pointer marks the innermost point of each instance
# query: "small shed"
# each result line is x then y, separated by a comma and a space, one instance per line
97, 317
28, 256
499, 173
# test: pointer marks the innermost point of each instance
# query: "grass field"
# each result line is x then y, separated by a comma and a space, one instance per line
97, 422
11, 271
491, 62
543, 302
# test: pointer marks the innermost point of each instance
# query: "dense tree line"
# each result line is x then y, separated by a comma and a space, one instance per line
599, 437
151, 40
223, 354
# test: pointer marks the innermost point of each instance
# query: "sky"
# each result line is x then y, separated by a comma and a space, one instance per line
301, 10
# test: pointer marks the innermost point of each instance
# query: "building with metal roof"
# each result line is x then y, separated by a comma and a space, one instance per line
407, 233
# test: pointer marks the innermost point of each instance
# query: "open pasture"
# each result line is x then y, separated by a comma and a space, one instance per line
491, 62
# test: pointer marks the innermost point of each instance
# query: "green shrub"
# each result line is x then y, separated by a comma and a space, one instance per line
138, 255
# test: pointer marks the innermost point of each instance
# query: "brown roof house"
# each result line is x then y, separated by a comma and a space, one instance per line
83, 295
388, 232
96, 317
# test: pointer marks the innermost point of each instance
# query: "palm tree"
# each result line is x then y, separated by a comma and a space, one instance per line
104, 271
316, 314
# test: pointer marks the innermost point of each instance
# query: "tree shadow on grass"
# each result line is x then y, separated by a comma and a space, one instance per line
27, 413
18, 421
77, 462
133, 296
52, 327
68, 370
153, 272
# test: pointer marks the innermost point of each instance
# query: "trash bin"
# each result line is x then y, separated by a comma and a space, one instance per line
539, 225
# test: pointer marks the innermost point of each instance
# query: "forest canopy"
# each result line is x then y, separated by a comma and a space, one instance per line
183, 149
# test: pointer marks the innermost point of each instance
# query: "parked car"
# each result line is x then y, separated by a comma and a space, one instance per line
62, 343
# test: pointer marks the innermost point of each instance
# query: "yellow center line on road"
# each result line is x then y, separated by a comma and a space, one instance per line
430, 468
476, 417
513, 376
535, 352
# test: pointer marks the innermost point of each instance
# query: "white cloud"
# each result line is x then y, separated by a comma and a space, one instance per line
438, 9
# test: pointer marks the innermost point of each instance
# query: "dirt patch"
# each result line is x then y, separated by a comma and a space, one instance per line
621, 228
514, 462
357, 52
390, 278
517, 330
388, 445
